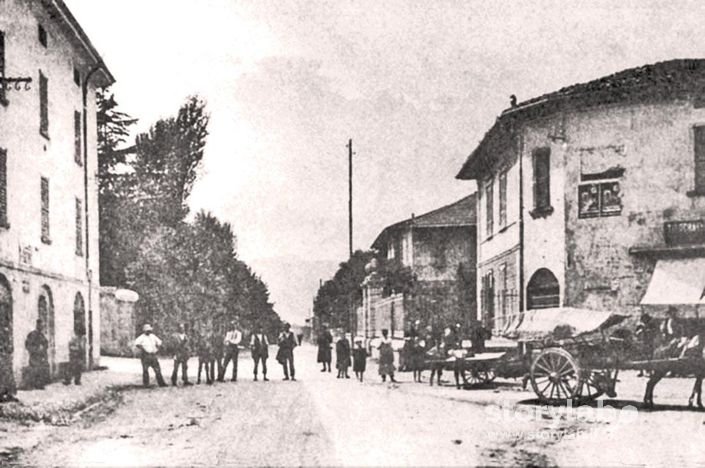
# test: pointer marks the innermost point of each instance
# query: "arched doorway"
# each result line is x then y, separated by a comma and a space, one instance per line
6, 346
45, 312
79, 315
543, 290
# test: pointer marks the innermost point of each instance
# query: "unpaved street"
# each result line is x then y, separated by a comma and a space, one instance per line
322, 421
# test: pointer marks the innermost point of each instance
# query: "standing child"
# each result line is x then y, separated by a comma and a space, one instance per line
359, 360
342, 357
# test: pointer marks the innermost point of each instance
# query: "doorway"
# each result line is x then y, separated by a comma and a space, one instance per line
6, 344
45, 312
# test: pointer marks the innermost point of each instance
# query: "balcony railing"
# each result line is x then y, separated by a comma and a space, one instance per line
684, 232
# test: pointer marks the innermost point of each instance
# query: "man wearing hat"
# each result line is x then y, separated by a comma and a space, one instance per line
285, 355
148, 344
38, 348
232, 349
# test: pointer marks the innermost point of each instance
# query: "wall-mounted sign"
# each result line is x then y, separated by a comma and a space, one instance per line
599, 199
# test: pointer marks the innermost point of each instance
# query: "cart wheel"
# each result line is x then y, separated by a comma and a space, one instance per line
555, 376
590, 387
479, 377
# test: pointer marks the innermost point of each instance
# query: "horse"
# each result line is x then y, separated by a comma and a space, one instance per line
691, 347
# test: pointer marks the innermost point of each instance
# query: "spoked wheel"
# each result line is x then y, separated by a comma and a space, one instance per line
591, 387
479, 377
555, 376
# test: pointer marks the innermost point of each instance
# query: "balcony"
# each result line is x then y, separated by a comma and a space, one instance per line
681, 239
684, 232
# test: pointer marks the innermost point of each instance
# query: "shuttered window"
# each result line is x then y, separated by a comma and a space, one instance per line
489, 208
43, 105
3, 98
45, 211
699, 159
503, 200
542, 179
79, 227
3, 188
77, 137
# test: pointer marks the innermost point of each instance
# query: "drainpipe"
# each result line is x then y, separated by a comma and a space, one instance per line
89, 273
520, 150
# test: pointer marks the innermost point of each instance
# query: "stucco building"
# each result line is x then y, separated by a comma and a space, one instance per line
590, 194
437, 249
48, 190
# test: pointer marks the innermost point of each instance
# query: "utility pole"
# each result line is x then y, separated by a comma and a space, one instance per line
350, 198
351, 301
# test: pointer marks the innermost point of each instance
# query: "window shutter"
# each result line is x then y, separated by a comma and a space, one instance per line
699, 151
45, 210
3, 187
2, 66
43, 104
79, 227
77, 138
542, 182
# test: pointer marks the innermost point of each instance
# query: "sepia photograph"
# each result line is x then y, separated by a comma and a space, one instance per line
488, 216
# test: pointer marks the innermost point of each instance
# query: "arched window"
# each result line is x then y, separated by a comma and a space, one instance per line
543, 290
5, 321
45, 312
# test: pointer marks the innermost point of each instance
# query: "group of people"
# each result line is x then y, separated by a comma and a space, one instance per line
421, 347
38, 373
214, 351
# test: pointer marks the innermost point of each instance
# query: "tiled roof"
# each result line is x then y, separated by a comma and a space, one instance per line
669, 79
458, 214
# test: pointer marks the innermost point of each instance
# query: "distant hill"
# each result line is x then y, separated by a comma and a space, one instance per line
293, 283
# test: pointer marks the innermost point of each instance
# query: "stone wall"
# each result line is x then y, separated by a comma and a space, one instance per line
118, 322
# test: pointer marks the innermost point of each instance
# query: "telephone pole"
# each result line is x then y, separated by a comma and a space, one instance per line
350, 197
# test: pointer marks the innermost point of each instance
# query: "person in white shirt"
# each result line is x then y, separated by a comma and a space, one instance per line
259, 346
232, 349
148, 344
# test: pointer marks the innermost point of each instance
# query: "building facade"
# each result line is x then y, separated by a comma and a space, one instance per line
436, 251
584, 192
48, 190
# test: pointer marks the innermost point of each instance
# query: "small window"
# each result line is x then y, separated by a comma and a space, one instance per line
489, 208
503, 200
699, 151
42, 36
43, 105
3, 98
3, 188
79, 227
77, 138
76, 76
542, 180
45, 211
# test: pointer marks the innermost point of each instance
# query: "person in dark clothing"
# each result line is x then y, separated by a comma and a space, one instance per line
285, 354
386, 357
8, 386
231, 344
205, 358
218, 348
77, 351
417, 359
359, 360
342, 357
182, 353
325, 340
38, 348
259, 348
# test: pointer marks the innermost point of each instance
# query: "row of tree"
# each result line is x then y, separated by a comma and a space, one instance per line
185, 270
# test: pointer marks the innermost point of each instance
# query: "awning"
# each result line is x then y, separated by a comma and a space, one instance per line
563, 321
676, 281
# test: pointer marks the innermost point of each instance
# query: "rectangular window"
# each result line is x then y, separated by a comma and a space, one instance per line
503, 200
542, 179
3, 188
489, 208
699, 151
3, 98
43, 105
599, 199
45, 211
77, 138
79, 227
42, 35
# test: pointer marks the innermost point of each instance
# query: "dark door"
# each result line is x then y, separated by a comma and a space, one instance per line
6, 346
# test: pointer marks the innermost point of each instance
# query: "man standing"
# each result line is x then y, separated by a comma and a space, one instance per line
77, 352
217, 345
285, 355
182, 353
38, 348
148, 344
259, 346
324, 340
232, 342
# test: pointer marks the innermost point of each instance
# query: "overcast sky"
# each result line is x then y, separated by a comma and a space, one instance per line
415, 84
